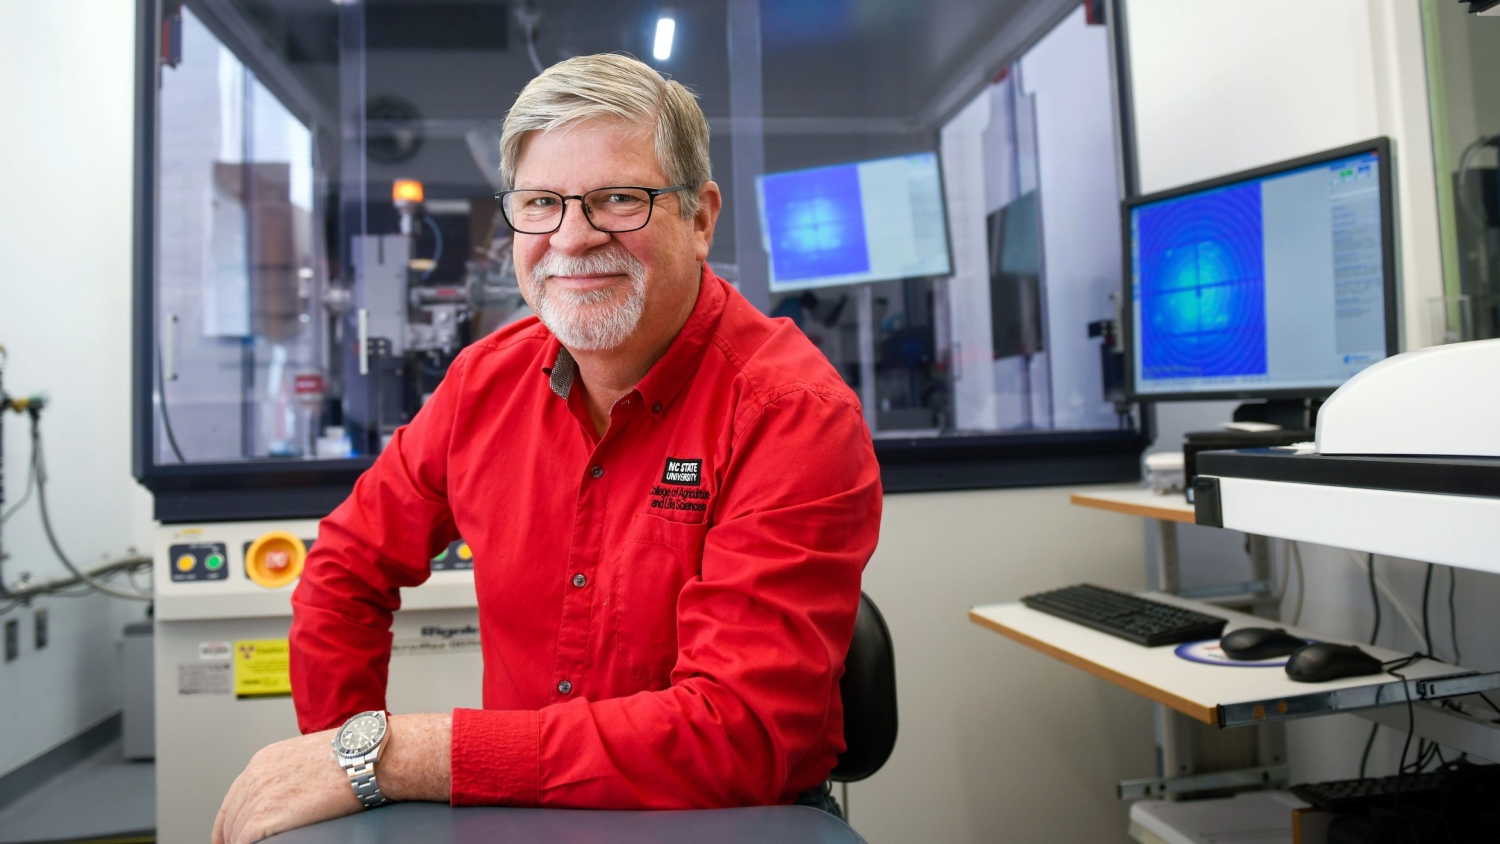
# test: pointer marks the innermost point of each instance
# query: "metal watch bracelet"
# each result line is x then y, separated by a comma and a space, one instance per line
362, 778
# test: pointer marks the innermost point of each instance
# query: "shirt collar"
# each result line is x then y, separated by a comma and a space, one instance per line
668, 376
562, 372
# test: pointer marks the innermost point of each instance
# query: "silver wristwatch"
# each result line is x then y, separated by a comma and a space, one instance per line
357, 747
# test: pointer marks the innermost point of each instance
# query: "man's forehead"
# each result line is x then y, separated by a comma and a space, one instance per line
588, 145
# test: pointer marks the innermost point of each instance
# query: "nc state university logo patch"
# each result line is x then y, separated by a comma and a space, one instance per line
683, 472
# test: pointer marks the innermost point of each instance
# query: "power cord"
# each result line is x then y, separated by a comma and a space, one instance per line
166, 418
39, 465
1364, 759
1453, 613
529, 18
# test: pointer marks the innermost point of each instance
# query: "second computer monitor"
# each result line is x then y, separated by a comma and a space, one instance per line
1277, 282
851, 223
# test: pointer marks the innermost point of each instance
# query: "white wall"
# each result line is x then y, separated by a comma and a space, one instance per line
998, 742
1233, 84
66, 70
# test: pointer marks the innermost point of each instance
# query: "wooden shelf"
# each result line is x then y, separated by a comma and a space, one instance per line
1136, 501
1223, 695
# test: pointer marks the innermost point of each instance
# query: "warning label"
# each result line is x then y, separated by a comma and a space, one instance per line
196, 678
262, 668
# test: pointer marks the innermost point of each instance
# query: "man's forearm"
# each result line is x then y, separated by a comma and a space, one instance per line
415, 764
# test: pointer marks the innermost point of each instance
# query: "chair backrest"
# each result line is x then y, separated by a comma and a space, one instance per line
869, 692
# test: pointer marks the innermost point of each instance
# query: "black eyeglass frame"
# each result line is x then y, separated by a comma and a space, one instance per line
651, 193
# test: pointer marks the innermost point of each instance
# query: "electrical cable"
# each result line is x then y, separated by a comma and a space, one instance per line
437, 250
66, 587
25, 496
1364, 759
1390, 595
166, 419
1464, 160
529, 18
1490, 704
1427, 611
1453, 614
40, 464
1393, 668
1301, 583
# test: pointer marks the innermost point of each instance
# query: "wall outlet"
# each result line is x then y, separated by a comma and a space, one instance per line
12, 640
41, 629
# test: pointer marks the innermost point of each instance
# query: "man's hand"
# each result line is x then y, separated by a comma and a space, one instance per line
288, 784
296, 782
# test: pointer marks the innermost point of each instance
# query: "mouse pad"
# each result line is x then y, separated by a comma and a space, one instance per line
1208, 652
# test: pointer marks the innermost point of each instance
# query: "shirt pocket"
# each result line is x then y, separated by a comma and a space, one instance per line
657, 559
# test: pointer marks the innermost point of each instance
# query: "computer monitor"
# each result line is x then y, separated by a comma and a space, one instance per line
1273, 283
851, 223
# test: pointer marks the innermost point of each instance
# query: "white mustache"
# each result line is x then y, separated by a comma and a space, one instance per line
612, 261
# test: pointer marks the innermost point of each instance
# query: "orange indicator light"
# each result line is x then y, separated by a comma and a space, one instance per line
406, 190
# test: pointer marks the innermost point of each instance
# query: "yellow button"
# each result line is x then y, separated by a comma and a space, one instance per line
465, 552
186, 562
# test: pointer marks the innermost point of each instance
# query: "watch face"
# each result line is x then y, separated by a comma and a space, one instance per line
360, 735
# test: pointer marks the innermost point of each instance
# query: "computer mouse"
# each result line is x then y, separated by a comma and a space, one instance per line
1259, 643
1320, 661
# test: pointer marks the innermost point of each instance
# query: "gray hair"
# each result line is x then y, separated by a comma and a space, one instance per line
614, 87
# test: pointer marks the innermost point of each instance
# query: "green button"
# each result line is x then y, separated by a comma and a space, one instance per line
214, 562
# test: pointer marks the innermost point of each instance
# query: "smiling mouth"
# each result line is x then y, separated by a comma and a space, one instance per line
588, 281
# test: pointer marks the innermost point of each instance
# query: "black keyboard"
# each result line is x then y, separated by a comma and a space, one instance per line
1359, 795
1139, 620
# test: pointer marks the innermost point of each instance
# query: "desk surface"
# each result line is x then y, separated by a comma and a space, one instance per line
436, 823
1192, 688
1138, 501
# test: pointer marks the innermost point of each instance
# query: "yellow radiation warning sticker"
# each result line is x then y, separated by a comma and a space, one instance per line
262, 668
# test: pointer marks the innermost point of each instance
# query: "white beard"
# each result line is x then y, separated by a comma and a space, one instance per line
595, 320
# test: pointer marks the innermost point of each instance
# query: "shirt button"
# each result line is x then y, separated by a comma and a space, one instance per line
580, 581
597, 472
565, 687
656, 408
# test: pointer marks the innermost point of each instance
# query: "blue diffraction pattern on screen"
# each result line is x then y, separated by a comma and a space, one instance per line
817, 223
1202, 285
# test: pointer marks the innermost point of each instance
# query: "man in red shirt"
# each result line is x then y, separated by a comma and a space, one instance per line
670, 498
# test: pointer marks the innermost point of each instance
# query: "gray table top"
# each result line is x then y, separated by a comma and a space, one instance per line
441, 824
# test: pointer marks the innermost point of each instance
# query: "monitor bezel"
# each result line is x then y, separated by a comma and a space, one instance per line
760, 213
1381, 146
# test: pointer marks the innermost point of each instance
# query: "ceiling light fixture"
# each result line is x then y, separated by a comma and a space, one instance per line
665, 28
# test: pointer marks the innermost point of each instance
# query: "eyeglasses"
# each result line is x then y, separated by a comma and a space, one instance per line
613, 210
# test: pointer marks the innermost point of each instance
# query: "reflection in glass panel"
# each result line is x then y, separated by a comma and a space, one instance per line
328, 241
238, 260
1463, 62
1018, 333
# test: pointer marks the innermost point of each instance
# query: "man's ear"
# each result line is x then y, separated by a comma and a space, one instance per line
710, 203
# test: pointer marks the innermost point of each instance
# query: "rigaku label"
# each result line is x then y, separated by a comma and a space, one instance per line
437, 639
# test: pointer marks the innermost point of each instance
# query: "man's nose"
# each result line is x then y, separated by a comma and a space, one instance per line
576, 236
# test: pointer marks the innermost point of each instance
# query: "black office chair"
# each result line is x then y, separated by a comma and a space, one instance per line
869, 692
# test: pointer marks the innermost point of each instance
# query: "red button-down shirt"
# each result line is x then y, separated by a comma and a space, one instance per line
664, 610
